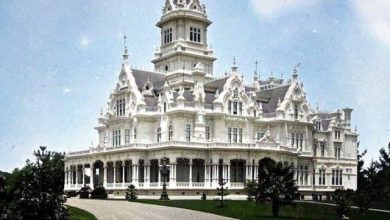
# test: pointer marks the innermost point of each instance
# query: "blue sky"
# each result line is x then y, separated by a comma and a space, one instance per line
59, 60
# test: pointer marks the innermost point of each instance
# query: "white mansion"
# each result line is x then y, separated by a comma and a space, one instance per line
209, 128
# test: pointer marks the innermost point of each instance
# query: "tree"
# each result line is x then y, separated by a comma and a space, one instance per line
382, 178
276, 183
222, 191
131, 194
250, 189
343, 199
36, 191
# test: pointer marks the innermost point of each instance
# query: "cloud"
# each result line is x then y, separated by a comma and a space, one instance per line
274, 8
375, 17
84, 42
66, 90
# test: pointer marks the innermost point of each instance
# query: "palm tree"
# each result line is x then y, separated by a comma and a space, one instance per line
276, 184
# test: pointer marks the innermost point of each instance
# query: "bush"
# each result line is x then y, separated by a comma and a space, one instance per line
131, 193
204, 197
99, 193
84, 192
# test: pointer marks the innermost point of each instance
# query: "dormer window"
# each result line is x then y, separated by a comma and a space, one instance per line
295, 111
195, 34
167, 36
120, 107
318, 125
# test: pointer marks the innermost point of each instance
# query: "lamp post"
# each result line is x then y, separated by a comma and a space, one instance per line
164, 170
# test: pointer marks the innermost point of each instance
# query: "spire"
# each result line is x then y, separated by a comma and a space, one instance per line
295, 74
125, 55
234, 67
256, 77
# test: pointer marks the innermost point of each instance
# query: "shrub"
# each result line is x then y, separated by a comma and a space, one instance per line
84, 192
99, 193
204, 197
131, 194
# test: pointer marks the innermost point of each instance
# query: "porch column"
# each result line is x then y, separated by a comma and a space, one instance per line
134, 173
159, 173
114, 165
105, 174
83, 169
77, 175
91, 176
228, 173
123, 174
190, 174
205, 173
145, 173
66, 178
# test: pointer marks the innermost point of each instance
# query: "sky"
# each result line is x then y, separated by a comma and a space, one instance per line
59, 60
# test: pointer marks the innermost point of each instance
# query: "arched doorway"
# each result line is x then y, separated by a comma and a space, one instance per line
98, 173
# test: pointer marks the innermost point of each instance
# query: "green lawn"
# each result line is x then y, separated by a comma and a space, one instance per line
249, 211
79, 214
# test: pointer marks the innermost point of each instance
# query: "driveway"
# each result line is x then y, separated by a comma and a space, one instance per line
123, 210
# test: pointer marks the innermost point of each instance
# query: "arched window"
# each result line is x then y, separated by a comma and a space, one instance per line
158, 134
170, 132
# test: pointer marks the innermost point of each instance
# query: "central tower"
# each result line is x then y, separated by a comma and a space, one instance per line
184, 55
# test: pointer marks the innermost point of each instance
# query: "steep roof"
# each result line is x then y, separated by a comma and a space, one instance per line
213, 85
272, 95
141, 77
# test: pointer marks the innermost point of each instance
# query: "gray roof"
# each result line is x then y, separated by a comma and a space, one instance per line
268, 98
272, 95
141, 77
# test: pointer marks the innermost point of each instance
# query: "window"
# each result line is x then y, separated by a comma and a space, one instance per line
135, 133
170, 132
168, 36
127, 136
159, 134
318, 125
315, 150
259, 135
188, 132
337, 134
116, 137
322, 149
230, 135
302, 175
240, 108
165, 107
254, 113
207, 133
240, 135
297, 140
337, 152
120, 107
295, 111
230, 107
337, 177
235, 135
234, 108
195, 34
321, 177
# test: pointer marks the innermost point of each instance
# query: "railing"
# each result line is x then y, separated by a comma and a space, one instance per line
208, 106
117, 185
198, 184
269, 115
237, 185
182, 184
153, 184
141, 185
151, 109
110, 185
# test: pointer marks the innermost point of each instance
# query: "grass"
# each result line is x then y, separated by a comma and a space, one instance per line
246, 210
79, 214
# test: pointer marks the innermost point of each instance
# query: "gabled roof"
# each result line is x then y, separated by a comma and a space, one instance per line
212, 86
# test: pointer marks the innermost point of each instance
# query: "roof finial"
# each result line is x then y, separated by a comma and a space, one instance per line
234, 67
255, 78
295, 74
125, 55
